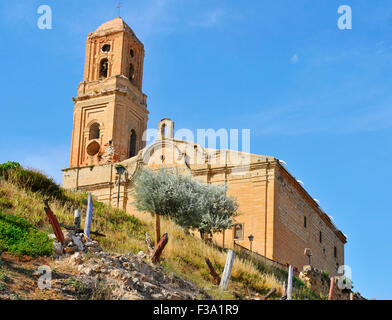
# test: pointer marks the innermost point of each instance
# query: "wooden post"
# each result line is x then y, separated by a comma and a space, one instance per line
290, 283
284, 293
331, 288
269, 294
157, 229
54, 222
213, 273
227, 271
77, 218
249, 293
156, 257
89, 216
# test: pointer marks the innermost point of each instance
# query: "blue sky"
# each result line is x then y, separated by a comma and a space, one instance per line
315, 96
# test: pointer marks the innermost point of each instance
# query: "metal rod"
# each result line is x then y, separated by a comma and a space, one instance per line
118, 192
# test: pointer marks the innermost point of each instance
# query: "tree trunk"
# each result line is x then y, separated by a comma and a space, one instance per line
157, 229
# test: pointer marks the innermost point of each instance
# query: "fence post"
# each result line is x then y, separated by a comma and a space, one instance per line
77, 217
227, 271
54, 222
290, 283
331, 288
284, 294
89, 215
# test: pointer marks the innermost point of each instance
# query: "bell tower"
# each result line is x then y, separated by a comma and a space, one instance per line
110, 112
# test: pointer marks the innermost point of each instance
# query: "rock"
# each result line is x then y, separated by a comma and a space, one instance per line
76, 259
70, 250
97, 268
78, 243
141, 255
52, 236
91, 244
67, 237
87, 271
58, 248
116, 274
157, 296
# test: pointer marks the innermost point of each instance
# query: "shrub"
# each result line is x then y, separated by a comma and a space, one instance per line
31, 180
5, 168
17, 236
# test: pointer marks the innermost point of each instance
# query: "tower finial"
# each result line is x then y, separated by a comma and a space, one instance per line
119, 7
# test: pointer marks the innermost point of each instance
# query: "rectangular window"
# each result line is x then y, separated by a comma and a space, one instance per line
335, 252
321, 239
239, 232
304, 222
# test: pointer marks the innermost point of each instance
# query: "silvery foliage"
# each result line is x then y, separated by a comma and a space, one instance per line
218, 209
188, 202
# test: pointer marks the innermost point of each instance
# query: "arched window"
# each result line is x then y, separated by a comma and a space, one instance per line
103, 68
132, 144
131, 73
95, 131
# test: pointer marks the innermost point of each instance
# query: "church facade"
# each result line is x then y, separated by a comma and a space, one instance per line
110, 118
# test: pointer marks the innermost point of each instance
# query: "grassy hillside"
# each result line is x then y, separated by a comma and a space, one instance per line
22, 193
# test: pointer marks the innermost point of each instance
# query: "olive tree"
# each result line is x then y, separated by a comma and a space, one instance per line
188, 202
218, 210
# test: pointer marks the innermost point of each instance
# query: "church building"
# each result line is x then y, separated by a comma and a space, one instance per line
110, 118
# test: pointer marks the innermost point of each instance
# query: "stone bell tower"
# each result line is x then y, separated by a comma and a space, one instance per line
110, 113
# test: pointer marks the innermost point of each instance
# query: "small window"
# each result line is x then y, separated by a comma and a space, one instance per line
131, 73
320, 237
132, 54
106, 48
103, 69
95, 131
239, 232
132, 144
335, 252
304, 222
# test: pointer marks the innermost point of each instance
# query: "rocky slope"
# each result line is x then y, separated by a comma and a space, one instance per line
81, 270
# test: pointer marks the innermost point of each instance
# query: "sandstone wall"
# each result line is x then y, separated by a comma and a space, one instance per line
293, 204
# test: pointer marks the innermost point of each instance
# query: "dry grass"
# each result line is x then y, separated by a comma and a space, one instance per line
184, 254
